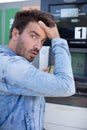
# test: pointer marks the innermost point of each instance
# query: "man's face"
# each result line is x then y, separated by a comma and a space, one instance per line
29, 43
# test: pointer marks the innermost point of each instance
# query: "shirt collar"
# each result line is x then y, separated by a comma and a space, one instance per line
5, 49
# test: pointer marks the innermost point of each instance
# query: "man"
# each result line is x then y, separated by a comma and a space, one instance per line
22, 86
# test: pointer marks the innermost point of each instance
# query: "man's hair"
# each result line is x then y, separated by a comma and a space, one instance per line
22, 19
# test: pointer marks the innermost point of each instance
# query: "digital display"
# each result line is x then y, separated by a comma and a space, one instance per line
66, 13
79, 62
71, 20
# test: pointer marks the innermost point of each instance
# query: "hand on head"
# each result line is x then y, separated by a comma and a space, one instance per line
51, 32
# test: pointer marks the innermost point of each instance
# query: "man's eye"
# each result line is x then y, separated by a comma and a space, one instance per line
33, 36
43, 41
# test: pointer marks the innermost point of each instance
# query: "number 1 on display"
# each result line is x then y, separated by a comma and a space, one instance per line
80, 32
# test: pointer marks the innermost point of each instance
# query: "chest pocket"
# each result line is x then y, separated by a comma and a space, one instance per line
3, 84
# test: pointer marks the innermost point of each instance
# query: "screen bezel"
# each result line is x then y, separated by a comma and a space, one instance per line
70, 29
80, 51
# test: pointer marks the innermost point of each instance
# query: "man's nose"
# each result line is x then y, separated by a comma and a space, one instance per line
38, 45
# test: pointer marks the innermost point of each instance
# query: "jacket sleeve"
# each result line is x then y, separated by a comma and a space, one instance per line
23, 78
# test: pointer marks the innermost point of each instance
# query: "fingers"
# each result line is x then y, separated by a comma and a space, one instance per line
42, 25
51, 32
45, 28
46, 69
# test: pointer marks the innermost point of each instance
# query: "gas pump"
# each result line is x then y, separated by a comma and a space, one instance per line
71, 19
70, 113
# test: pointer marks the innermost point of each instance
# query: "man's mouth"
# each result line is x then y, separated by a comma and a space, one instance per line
34, 54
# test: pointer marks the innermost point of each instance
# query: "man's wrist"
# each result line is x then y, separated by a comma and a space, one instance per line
58, 40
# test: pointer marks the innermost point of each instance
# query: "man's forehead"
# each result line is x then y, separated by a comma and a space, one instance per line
34, 27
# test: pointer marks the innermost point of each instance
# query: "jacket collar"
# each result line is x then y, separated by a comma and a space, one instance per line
5, 49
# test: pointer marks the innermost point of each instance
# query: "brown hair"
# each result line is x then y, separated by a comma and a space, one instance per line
22, 19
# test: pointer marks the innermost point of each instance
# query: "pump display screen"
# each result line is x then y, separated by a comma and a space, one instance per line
79, 64
67, 13
71, 20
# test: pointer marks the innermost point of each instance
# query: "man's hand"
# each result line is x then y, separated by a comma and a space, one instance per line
51, 32
46, 69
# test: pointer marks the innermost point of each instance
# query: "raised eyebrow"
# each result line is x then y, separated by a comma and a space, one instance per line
35, 33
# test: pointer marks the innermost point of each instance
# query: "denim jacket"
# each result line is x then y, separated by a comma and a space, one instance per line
23, 87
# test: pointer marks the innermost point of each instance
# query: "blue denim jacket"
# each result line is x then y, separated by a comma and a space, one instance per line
23, 87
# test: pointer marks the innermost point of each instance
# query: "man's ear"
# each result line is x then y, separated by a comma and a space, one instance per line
15, 34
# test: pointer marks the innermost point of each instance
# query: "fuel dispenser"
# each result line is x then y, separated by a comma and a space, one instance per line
71, 19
